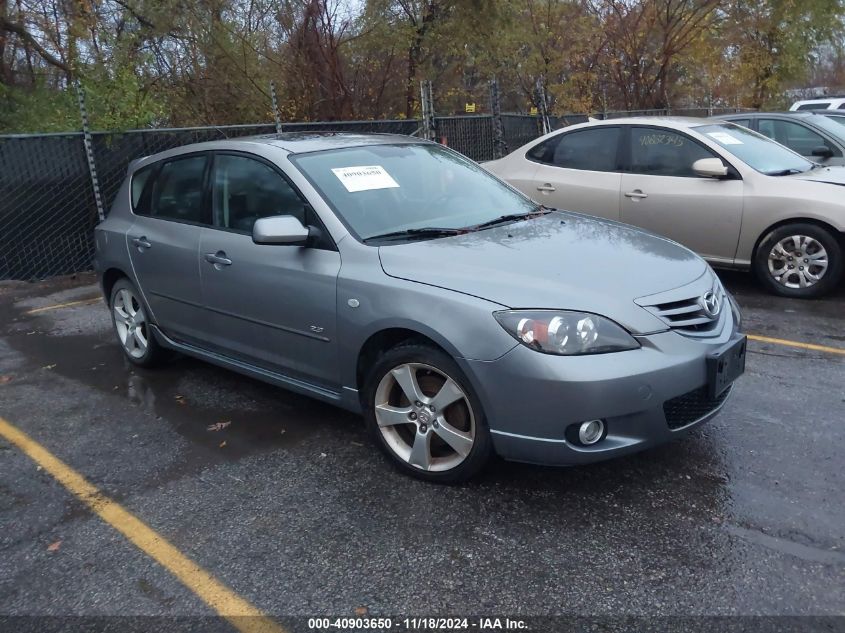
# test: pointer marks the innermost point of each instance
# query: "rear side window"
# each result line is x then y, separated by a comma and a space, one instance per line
742, 122
842, 106
593, 149
177, 193
139, 180
246, 190
663, 152
820, 105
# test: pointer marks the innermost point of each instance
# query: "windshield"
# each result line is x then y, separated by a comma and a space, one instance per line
380, 189
756, 150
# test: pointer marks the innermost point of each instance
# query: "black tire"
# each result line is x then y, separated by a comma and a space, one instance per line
153, 354
467, 410
824, 285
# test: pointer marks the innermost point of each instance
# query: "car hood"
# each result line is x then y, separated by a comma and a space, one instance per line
559, 260
829, 175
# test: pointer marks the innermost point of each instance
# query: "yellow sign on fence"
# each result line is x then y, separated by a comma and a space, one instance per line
469, 107
534, 110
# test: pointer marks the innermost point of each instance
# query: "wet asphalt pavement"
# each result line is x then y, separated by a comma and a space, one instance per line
292, 508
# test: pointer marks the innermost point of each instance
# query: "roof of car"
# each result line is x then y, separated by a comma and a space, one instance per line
301, 142
755, 115
678, 122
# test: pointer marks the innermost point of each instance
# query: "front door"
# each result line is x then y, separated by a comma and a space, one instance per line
163, 244
272, 305
662, 194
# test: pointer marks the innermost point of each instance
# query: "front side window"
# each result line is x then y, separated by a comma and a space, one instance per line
246, 190
177, 192
590, 150
663, 152
755, 150
795, 136
378, 189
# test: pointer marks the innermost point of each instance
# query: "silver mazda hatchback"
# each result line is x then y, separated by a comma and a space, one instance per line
395, 278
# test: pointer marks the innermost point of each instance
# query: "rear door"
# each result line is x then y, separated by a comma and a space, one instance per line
579, 171
661, 193
272, 305
170, 209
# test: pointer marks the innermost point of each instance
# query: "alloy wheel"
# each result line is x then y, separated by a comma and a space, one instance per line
798, 261
130, 321
425, 417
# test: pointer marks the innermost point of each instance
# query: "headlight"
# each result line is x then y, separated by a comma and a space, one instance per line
565, 333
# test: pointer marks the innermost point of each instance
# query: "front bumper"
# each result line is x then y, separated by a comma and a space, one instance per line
646, 397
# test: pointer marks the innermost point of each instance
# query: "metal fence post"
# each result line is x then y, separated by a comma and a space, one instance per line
275, 102
89, 151
500, 147
429, 123
543, 108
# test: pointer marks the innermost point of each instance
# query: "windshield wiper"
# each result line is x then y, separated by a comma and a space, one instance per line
428, 231
510, 217
785, 172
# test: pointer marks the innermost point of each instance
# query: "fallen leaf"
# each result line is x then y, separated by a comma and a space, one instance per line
4, 379
361, 611
54, 547
223, 443
218, 426
49, 366
323, 455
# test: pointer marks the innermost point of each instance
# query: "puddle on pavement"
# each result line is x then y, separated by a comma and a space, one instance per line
188, 394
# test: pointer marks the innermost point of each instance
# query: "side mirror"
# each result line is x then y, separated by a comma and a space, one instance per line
710, 168
279, 229
822, 151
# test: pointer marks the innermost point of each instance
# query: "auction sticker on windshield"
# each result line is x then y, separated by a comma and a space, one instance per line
724, 138
364, 178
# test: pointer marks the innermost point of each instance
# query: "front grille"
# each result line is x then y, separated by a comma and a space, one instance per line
691, 406
687, 316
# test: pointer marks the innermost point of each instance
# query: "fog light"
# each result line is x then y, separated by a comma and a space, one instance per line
590, 432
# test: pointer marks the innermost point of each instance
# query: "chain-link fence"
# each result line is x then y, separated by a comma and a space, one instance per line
49, 211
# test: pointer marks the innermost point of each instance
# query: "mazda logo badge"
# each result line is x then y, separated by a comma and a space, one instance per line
711, 304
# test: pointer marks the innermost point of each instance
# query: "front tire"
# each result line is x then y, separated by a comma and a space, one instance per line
422, 412
132, 326
802, 261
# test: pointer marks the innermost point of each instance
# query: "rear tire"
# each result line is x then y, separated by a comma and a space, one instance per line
131, 322
799, 260
422, 412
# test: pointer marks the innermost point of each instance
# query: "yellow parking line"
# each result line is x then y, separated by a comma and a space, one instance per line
69, 304
812, 346
241, 614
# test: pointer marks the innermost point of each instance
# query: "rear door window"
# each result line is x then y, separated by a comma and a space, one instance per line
593, 149
178, 192
665, 152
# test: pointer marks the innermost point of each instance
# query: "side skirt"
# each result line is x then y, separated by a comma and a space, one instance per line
341, 399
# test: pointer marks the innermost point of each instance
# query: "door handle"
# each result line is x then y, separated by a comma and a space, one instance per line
546, 188
636, 194
218, 259
141, 242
